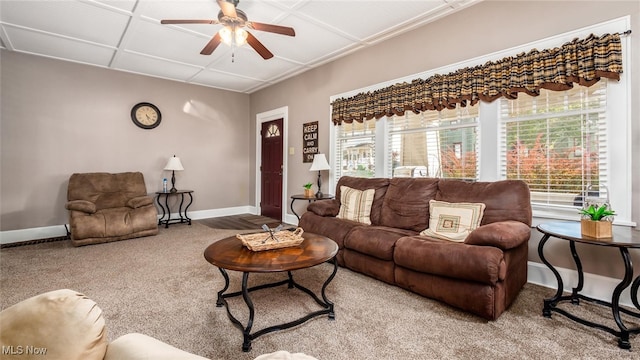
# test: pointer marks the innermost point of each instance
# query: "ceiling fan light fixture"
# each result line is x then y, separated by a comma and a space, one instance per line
241, 37
231, 36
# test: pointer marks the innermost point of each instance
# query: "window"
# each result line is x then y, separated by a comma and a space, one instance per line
434, 144
355, 151
556, 142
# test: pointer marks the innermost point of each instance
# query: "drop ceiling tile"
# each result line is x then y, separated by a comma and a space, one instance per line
61, 48
224, 81
373, 17
311, 42
180, 9
68, 18
169, 43
154, 67
244, 63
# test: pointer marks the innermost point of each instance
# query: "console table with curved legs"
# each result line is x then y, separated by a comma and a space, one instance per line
623, 239
166, 210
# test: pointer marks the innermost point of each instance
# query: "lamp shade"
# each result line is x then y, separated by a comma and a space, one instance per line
174, 164
319, 163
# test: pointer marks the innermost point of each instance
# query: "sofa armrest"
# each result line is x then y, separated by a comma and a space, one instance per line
325, 207
502, 234
139, 201
84, 206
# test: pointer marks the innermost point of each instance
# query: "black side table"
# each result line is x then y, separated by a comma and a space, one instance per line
166, 211
309, 198
623, 239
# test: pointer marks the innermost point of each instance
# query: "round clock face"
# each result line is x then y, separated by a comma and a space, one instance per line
146, 115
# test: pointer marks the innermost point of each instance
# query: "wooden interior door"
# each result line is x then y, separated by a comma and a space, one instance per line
271, 169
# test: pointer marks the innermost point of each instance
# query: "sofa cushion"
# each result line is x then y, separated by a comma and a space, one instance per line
63, 323
504, 200
139, 201
82, 206
376, 241
406, 203
502, 234
453, 221
379, 184
325, 207
356, 204
484, 264
331, 227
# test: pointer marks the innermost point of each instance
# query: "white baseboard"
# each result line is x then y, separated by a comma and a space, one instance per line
595, 286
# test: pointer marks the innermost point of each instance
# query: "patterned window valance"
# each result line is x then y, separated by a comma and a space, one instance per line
581, 61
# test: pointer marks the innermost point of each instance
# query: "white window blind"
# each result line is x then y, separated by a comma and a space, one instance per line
556, 142
441, 144
355, 149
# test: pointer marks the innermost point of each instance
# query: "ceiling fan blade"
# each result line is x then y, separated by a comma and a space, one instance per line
257, 46
188, 22
211, 45
282, 30
228, 9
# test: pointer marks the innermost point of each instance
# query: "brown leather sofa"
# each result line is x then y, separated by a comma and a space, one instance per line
107, 207
482, 275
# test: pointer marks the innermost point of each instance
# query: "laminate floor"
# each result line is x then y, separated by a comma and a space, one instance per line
239, 222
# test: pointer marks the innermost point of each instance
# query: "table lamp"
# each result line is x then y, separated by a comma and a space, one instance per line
174, 165
319, 163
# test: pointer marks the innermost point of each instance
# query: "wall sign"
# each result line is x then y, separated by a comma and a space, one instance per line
309, 141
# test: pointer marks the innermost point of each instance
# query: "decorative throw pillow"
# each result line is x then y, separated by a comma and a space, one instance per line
453, 221
356, 204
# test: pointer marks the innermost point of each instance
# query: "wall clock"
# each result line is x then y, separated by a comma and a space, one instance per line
146, 115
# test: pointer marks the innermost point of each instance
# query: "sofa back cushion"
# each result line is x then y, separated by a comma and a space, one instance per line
379, 184
504, 200
406, 204
106, 190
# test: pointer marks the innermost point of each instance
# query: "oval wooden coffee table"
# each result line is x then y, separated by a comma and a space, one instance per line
230, 254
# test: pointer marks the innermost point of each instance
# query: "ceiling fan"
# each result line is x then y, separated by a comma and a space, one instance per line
234, 20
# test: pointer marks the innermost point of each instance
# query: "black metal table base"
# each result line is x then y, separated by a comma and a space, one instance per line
623, 332
166, 211
327, 306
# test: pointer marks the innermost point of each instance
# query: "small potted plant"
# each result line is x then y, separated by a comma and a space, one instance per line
307, 190
596, 221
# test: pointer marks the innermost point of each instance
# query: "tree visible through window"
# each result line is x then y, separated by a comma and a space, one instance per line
555, 142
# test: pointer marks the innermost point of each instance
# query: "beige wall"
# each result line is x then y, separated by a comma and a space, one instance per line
58, 118
479, 30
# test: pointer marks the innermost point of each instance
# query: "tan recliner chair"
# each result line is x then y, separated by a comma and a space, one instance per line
107, 207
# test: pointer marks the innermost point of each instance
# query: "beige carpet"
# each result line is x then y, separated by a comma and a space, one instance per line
163, 287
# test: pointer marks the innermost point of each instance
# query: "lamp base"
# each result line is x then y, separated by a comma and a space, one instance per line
319, 195
173, 190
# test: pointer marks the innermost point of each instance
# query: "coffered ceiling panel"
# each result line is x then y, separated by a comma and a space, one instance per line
126, 35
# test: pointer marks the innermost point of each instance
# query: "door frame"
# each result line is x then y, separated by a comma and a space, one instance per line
279, 113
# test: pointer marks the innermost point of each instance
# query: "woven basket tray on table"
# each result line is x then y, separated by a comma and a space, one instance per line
272, 240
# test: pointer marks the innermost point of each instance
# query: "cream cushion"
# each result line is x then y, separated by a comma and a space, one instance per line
137, 346
60, 324
356, 204
453, 221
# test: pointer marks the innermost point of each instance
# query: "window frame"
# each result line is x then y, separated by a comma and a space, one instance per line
618, 133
